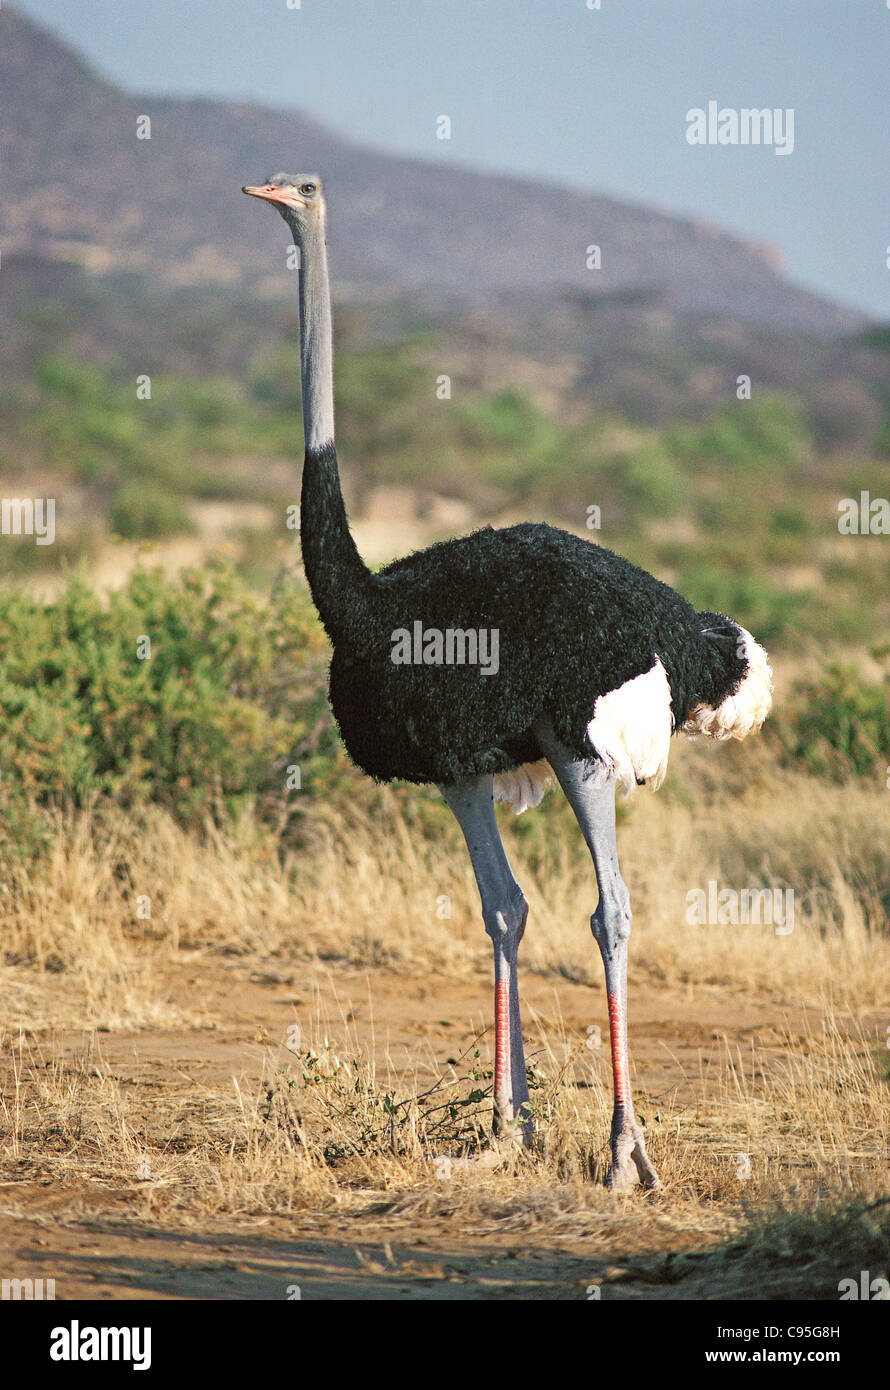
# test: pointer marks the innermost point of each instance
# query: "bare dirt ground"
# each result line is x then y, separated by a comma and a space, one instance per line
97, 1237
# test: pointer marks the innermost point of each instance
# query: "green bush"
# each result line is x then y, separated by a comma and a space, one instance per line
511, 421
229, 693
756, 436
764, 609
143, 512
789, 521
839, 725
650, 480
77, 382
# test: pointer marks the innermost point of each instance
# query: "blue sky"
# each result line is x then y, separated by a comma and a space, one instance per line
549, 88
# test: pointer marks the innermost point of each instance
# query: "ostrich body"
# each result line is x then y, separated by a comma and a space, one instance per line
592, 664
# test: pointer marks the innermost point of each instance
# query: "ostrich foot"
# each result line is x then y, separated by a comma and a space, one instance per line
630, 1162
511, 1129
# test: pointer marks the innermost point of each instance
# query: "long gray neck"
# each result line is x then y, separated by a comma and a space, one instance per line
342, 587
316, 341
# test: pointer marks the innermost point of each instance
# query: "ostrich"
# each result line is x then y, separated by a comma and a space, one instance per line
597, 664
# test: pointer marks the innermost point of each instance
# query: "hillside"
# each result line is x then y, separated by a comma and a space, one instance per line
123, 258
79, 185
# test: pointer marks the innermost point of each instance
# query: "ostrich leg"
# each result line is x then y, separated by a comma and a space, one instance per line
504, 911
590, 791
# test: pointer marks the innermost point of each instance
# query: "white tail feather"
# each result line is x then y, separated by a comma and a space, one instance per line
744, 712
631, 728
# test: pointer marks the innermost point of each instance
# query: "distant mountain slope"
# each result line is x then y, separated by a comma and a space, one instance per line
79, 185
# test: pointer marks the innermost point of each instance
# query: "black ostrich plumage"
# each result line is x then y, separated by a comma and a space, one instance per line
574, 621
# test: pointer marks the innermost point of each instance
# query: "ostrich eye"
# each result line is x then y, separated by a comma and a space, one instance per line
307, 188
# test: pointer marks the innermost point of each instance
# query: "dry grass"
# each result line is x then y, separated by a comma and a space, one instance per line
777, 1145
775, 1178
110, 901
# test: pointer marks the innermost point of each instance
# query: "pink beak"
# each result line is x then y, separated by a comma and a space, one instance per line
273, 194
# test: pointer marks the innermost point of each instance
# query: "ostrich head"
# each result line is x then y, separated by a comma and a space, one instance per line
298, 197
736, 689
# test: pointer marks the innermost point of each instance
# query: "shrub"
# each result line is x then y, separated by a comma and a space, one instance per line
649, 478
233, 691
839, 725
755, 436
789, 521
766, 610
144, 512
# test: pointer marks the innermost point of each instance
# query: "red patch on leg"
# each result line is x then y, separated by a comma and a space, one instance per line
501, 1036
619, 1052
